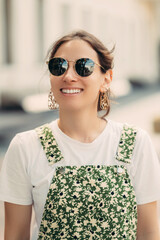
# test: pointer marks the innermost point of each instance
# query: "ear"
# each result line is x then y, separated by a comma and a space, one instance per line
107, 80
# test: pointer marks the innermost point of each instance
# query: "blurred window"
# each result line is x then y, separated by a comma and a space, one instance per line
86, 19
40, 25
103, 27
65, 10
6, 35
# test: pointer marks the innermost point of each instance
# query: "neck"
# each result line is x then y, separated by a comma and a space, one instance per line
82, 126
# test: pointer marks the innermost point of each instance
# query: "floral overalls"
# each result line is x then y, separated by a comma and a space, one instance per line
89, 202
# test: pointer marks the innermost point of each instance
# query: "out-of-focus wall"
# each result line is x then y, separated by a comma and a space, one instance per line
28, 28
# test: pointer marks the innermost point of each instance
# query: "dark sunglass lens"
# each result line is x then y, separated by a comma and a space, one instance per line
57, 66
84, 67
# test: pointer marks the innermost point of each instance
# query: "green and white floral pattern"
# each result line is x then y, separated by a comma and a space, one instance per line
126, 144
49, 144
88, 202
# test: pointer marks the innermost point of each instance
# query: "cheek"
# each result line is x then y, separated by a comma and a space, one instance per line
53, 83
51, 80
97, 82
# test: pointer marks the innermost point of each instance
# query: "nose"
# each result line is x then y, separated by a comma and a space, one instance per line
70, 75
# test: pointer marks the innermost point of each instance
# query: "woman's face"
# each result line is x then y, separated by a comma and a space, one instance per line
87, 89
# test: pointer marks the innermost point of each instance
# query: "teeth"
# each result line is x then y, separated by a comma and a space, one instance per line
71, 90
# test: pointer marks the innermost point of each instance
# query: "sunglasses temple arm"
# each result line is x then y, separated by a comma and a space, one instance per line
100, 66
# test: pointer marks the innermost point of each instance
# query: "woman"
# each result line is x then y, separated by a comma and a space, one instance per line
87, 177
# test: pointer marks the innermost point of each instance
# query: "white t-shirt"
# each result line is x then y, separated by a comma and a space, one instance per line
25, 165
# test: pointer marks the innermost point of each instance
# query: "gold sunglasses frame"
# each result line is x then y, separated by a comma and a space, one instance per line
47, 62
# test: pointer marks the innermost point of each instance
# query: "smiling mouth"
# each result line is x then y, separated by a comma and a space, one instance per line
71, 91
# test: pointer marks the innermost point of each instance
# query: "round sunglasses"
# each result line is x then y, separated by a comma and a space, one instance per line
84, 67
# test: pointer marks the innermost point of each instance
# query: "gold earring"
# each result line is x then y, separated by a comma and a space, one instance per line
52, 104
104, 100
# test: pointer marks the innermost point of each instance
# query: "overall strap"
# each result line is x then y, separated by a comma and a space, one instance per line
126, 144
49, 144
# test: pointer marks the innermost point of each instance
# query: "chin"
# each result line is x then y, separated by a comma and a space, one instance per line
70, 107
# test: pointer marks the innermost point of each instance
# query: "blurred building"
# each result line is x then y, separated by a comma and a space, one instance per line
28, 28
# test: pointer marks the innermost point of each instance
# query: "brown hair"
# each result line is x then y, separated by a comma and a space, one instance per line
104, 55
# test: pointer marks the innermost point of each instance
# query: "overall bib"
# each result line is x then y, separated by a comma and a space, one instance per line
89, 202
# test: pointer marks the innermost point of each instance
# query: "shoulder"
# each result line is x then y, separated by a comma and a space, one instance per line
118, 127
22, 149
25, 145
27, 139
115, 128
30, 137
142, 142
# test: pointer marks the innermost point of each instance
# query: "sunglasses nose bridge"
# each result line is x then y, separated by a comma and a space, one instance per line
69, 74
72, 63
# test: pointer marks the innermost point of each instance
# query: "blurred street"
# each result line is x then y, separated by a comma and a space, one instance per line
140, 108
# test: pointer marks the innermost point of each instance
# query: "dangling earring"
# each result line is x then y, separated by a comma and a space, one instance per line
104, 100
52, 104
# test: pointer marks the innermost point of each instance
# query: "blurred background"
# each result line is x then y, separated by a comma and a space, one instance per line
27, 31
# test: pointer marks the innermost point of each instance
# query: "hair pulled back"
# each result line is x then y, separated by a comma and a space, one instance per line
104, 55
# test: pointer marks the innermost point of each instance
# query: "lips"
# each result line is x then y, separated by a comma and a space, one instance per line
71, 91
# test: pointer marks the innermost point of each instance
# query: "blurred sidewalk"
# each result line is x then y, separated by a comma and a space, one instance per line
139, 111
